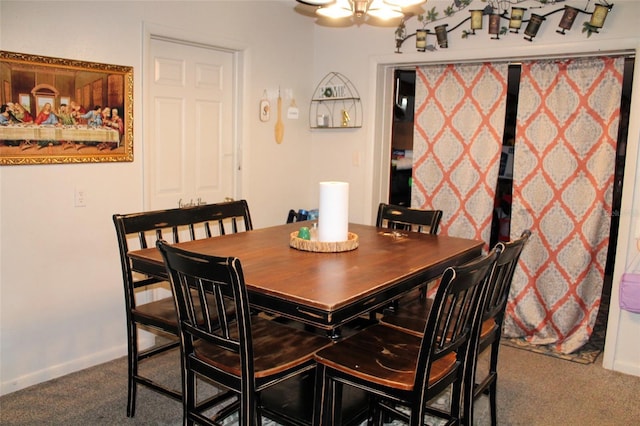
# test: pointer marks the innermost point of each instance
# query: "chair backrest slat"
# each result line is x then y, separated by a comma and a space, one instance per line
408, 219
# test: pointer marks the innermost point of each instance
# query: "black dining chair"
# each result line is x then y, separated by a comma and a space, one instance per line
412, 317
243, 354
401, 368
408, 219
491, 328
139, 231
402, 218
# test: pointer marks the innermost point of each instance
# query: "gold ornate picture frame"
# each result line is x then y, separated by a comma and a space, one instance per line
56, 111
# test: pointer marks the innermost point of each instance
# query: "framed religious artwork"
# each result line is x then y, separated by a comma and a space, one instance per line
56, 111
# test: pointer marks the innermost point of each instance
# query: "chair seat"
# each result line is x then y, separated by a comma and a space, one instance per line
410, 315
163, 312
488, 327
276, 348
383, 355
412, 318
160, 311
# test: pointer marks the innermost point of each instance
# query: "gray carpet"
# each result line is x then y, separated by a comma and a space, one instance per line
534, 389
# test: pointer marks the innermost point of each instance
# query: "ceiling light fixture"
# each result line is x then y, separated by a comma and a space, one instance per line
404, 3
360, 9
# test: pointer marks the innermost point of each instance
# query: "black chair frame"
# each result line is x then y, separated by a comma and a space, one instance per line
160, 317
456, 311
408, 219
220, 347
396, 217
493, 316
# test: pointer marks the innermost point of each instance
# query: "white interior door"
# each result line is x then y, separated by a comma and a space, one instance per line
189, 151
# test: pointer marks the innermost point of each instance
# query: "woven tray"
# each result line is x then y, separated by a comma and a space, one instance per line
322, 246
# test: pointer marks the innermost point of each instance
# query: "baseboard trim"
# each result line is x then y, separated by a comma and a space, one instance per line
626, 368
60, 370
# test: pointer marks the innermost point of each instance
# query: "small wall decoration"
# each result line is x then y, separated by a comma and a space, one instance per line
501, 22
265, 108
335, 104
57, 111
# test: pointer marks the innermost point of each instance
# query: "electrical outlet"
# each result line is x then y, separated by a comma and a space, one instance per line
80, 197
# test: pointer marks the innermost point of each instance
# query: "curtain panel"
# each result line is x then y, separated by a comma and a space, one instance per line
567, 125
459, 124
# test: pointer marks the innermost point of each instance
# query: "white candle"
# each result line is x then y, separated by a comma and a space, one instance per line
333, 212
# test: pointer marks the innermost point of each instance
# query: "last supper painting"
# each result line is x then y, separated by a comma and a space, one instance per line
56, 111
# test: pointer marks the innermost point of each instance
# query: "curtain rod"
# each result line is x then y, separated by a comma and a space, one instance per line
626, 53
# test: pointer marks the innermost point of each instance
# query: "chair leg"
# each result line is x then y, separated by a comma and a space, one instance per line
493, 402
249, 413
188, 397
327, 406
468, 391
376, 414
493, 370
467, 407
456, 401
416, 417
336, 405
132, 368
319, 405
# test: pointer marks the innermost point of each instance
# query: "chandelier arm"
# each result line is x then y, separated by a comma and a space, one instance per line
316, 3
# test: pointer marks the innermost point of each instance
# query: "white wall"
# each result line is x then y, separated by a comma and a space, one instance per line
60, 284
61, 301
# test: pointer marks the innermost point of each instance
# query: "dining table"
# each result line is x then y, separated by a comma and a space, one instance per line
326, 290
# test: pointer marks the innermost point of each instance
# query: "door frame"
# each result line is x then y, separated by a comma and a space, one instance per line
171, 34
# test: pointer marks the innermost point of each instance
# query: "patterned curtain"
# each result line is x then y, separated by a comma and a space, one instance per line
567, 125
459, 123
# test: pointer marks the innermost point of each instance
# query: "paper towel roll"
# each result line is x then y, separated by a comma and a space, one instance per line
333, 212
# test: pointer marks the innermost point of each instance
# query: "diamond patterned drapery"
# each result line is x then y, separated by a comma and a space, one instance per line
459, 123
567, 125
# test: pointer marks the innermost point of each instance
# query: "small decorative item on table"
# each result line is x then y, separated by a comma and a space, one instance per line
304, 233
323, 246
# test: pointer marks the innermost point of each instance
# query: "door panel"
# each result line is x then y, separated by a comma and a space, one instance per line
168, 179
208, 146
190, 150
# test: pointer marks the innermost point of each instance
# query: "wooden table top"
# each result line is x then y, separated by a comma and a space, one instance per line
326, 281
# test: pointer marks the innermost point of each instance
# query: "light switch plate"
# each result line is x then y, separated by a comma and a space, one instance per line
80, 199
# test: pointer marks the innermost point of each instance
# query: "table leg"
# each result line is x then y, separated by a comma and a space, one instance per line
334, 334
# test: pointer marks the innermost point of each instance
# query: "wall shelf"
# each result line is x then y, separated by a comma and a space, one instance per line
335, 104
